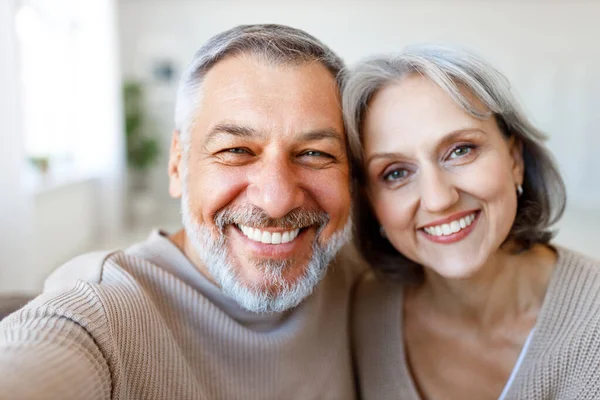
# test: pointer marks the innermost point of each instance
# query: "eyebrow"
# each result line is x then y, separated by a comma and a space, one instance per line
250, 133
231, 129
447, 138
321, 134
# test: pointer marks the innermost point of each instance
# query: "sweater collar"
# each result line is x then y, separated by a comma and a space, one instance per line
160, 251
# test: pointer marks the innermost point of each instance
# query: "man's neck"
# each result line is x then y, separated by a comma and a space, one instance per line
254, 321
180, 240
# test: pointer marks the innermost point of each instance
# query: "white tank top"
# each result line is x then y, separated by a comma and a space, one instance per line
517, 365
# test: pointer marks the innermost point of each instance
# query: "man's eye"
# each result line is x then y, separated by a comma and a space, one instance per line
316, 153
235, 155
238, 150
395, 175
315, 159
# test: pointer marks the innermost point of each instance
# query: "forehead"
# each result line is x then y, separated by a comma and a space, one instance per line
264, 95
416, 109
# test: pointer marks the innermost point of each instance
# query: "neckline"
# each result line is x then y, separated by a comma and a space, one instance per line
517, 366
533, 340
163, 253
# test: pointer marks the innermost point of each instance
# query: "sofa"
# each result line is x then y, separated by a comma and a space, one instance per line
11, 303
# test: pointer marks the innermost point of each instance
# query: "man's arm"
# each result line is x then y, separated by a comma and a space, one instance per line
50, 357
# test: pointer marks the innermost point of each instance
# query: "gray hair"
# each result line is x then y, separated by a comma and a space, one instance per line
273, 43
544, 196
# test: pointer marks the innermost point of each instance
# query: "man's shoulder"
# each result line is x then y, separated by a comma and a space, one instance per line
71, 290
92, 267
91, 290
91, 278
69, 297
87, 267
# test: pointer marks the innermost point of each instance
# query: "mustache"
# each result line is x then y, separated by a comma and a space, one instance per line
250, 215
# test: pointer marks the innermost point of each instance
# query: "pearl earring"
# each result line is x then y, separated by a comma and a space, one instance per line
519, 190
382, 232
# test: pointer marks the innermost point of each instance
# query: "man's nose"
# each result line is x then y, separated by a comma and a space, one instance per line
275, 187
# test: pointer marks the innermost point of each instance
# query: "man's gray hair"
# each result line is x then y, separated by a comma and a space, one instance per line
453, 70
272, 43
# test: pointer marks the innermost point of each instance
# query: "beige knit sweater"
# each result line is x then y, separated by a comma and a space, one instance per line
561, 362
145, 324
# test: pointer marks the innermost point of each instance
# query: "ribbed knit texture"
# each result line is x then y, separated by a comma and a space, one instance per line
562, 361
145, 324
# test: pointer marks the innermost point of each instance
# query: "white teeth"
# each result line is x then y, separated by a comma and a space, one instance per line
266, 237
455, 226
452, 227
276, 238
446, 229
269, 237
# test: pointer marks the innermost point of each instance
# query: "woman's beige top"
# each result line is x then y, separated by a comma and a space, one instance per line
562, 360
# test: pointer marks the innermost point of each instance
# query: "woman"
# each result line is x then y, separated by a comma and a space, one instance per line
455, 196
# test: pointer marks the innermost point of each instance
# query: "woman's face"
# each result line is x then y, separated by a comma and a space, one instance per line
442, 183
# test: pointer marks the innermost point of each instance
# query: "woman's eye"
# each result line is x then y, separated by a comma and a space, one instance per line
395, 175
460, 151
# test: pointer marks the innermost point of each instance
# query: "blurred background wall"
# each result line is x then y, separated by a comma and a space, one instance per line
88, 91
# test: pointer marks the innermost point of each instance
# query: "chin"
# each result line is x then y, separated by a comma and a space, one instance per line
457, 270
269, 276
261, 289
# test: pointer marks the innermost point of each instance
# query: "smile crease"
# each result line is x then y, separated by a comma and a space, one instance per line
266, 237
450, 228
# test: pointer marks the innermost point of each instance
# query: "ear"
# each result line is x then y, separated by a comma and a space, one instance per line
515, 147
175, 168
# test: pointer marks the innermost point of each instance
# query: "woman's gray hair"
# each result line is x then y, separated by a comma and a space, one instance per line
544, 197
277, 44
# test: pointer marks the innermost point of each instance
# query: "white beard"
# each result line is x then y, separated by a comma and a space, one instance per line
214, 254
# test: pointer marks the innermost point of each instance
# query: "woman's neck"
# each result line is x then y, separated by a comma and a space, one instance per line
509, 288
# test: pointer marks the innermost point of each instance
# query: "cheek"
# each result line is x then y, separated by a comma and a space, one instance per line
396, 212
330, 189
212, 188
393, 209
489, 180
496, 191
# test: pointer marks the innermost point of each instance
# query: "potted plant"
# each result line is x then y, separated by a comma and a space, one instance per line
142, 151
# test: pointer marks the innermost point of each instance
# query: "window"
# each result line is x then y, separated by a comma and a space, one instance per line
70, 87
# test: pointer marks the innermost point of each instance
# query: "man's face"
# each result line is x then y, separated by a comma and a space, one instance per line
266, 192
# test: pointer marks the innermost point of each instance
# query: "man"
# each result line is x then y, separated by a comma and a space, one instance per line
238, 305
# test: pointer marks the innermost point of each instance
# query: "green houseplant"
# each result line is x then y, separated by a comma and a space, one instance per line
142, 149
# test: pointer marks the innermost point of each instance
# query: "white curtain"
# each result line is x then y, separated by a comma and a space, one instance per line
66, 74
15, 205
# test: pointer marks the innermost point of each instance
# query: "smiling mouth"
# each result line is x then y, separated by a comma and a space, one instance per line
266, 237
452, 227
